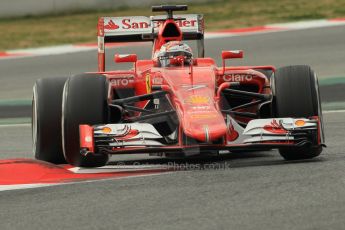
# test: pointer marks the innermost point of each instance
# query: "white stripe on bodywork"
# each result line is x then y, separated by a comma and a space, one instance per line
267, 138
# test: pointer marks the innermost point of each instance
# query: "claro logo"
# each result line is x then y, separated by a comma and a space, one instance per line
121, 81
237, 77
127, 24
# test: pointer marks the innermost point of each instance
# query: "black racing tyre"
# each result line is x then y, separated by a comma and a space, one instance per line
296, 94
46, 120
84, 102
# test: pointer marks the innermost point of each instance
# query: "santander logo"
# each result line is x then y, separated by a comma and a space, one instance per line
111, 25
142, 23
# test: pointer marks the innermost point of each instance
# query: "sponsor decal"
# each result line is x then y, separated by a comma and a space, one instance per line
275, 127
203, 116
237, 77
132, 24
120, 134
197, 100
157, 80
111, 25
142, 24
193, 87
121, 81
148, 82
198, 108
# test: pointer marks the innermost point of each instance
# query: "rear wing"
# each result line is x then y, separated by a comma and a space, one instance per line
141, 28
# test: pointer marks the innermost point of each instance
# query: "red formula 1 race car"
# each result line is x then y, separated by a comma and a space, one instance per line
175, 103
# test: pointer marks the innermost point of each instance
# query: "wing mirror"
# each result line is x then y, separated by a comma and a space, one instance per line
231, 54
125, 58
120, 58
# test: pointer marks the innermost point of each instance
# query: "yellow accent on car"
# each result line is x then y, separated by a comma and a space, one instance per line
148, 83
106, 130
300, 123
197, 100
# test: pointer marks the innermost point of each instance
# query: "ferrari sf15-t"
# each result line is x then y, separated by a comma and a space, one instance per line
174, 103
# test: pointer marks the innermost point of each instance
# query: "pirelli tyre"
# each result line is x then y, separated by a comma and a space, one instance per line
84, 102
46, 119
296, 94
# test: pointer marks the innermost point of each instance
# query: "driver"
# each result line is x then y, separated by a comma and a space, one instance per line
174, 53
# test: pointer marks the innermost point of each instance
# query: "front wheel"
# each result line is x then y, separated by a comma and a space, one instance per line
84, 102
46, 119
296, 95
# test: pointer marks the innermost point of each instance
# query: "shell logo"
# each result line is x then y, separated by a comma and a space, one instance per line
203, 116
197, 100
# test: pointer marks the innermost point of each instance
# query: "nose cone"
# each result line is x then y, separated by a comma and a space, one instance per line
204, 126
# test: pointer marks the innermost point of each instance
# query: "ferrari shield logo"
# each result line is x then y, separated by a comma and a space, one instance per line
148, 83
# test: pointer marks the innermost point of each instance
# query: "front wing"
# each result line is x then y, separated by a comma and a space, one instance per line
134, 138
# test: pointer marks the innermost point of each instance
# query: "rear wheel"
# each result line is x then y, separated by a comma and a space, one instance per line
46, 120
84, 102
296, 94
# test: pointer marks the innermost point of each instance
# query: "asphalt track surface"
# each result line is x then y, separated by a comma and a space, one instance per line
237, 191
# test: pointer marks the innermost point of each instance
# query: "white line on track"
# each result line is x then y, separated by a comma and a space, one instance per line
23, 186
26, 186
334, 111
15, 125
